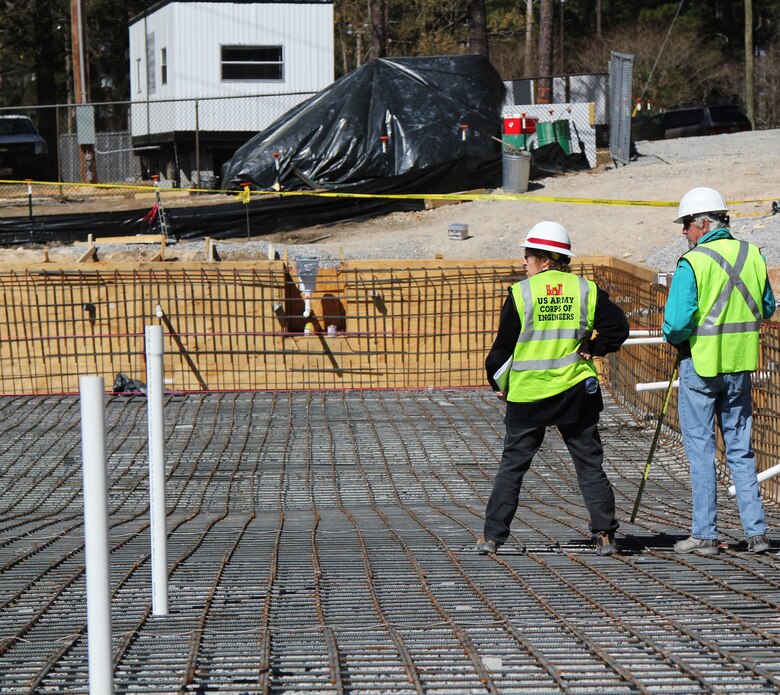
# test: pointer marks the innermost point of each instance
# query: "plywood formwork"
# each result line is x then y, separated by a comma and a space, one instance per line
241, 325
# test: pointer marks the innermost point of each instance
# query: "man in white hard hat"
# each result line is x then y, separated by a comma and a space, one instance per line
541, 365
719, 295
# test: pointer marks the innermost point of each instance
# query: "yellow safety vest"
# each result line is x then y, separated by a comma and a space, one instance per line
557, 312
730, 280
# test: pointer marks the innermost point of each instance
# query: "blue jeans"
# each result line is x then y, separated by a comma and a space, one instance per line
726, 398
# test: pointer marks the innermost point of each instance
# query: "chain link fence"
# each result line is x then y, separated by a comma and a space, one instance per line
184, 141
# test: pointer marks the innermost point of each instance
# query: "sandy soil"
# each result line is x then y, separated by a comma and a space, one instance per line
743, 166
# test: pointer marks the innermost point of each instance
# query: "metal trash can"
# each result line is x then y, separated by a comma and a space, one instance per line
517, 169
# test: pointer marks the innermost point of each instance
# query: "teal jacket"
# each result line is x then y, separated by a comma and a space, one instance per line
682, 303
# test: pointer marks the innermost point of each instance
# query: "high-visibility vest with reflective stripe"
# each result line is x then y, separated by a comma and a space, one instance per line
557, 312
730, 280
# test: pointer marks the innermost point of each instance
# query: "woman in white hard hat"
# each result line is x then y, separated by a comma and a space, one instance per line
541, 365
719, 295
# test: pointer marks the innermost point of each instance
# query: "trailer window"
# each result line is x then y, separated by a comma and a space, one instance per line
252, 63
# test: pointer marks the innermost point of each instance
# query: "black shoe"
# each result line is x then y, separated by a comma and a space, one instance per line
605, 543
758, 544
485, 546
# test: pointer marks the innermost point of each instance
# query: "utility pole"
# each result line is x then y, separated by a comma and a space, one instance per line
598, 18
544, 90
478, 40
749, 76
80, 92
529, 38
561, 70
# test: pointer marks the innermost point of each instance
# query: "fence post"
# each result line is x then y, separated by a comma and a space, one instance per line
197, 144
29, 198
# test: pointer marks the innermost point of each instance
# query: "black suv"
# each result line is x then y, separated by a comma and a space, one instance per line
690, 121
23, 152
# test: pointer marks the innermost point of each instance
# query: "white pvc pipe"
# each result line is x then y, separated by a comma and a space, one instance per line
656, 385
154, 395
93, 451
644, 341
642, 333
769, 473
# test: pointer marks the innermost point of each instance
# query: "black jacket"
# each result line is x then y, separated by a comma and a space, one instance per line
611, 330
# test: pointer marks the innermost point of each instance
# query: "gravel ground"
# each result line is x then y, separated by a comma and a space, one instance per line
742, 166
761, 226
763, 231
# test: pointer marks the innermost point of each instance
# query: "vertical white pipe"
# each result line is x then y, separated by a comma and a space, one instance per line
93, 451
154, 395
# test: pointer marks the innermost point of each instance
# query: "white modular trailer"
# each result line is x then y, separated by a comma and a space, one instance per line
212, 74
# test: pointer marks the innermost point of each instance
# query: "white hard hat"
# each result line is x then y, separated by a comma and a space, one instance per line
549, 236
698, 201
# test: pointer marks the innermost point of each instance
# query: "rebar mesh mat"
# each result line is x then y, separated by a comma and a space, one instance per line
323, 542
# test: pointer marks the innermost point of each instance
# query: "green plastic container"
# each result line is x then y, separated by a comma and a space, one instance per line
554, 131
515, 142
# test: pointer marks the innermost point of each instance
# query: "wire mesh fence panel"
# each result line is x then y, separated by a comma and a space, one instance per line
240, 327
643, 364
621, 69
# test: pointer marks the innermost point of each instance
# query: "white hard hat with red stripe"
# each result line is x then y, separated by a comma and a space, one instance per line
549, 236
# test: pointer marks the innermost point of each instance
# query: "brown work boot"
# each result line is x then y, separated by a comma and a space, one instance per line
605, 543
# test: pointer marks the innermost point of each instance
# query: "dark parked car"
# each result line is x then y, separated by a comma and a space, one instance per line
690, 121
23, 152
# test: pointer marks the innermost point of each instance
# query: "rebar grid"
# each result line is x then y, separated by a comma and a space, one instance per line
243, 328
322, 542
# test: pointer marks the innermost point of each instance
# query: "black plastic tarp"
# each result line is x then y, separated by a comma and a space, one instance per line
266, 214
390, 117
333, 141
439, 115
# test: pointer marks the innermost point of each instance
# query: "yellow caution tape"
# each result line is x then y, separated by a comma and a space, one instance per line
243, 195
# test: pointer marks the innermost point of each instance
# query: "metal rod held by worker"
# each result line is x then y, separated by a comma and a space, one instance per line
646, 472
